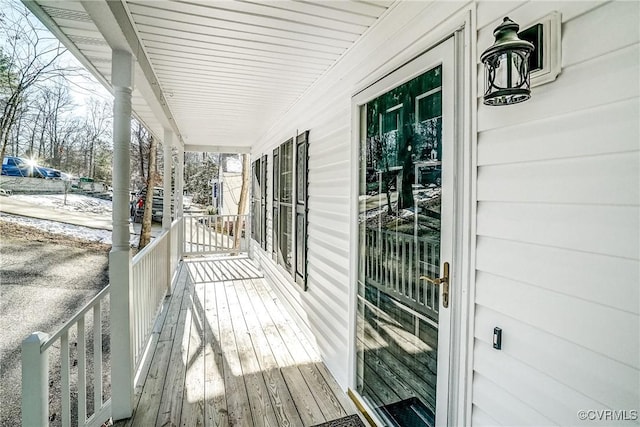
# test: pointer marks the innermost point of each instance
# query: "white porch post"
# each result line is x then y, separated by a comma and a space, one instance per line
35, 381
120, 256
166, 210
180, 181
179, 193
166, 203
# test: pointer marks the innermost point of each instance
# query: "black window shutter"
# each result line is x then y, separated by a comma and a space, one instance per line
255, 189
275, 228
263, 201
302, 196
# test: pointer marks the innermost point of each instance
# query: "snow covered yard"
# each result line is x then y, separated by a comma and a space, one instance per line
83, 217
60, 228
74, 202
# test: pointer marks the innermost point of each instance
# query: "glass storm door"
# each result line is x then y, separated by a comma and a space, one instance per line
405, 221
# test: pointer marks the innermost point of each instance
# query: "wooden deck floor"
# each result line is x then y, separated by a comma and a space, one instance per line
226, 353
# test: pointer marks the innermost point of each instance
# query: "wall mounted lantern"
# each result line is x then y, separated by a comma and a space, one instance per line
506, 65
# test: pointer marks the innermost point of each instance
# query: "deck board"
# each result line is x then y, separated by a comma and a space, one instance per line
228, 354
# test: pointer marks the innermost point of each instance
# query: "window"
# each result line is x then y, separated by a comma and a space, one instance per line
282, 204
289, 212
259, 201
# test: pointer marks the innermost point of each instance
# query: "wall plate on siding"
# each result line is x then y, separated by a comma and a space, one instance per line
551, 48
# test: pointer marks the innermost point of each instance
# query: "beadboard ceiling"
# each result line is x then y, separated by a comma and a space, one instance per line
219, 73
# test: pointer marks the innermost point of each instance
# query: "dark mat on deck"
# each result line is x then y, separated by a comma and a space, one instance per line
348, 421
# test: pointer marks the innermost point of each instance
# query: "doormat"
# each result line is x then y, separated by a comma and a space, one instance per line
348, 421
409, 413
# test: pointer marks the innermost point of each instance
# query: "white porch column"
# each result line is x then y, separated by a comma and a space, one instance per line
166, 210
167, 199
120, 256
179, 192
180, 181
35, 381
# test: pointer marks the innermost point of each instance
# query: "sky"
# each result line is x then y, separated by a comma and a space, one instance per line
83, 86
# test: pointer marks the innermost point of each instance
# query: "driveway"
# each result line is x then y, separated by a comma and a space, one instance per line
44, 280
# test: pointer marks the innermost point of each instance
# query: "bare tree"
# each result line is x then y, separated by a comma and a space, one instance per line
145, 232
96, 125
60, 126
31, 57
139, 153
242, 202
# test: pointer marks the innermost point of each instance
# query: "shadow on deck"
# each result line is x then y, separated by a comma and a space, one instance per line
224, 351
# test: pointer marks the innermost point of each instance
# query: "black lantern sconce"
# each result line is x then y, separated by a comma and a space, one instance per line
506, 65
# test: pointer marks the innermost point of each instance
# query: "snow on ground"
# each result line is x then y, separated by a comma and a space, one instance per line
74, 202
84, 233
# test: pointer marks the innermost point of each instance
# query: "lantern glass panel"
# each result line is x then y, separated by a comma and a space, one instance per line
507, 78
509, 72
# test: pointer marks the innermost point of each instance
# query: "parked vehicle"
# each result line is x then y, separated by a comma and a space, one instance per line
137, 206
18, 166
49, 173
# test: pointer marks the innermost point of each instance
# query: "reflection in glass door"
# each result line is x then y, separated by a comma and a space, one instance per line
400, 223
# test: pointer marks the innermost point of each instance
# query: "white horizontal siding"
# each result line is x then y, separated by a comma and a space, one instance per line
598, 229
482, 419
507, 408
598, 328
584, 180
558, 227
605, 129
326, 111
563, 271
601, 378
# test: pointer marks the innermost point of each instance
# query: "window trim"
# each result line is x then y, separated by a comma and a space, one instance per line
297, 206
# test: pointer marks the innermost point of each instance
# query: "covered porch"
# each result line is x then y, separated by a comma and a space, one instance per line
223, 75
211, 344
224, 351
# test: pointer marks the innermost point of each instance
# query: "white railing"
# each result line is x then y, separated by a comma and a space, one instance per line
82, 394
175, 247
90, 409
394, 263
215, 234
150, 283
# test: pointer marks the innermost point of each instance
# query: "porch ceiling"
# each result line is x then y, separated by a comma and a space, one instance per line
219, 73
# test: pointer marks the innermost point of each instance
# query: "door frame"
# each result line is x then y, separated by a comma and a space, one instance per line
462, 28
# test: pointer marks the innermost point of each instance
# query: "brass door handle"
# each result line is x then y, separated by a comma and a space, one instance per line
444, 280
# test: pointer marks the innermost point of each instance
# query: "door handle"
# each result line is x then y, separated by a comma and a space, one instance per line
444, 281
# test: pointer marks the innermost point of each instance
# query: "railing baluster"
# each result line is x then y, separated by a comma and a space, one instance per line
198, 239
97, 357
64, 376
82, 373
396, 262
190, 222
212, 234
35, 349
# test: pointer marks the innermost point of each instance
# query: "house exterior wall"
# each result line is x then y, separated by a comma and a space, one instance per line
403, 33
232, 187
556, 246
558, 190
